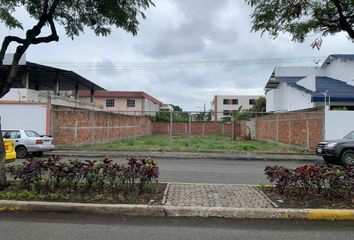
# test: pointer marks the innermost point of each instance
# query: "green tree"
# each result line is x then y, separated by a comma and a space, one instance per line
301, 17
238, 116
259, 105
75, 16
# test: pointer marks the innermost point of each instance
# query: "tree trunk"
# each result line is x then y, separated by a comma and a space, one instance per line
2, 162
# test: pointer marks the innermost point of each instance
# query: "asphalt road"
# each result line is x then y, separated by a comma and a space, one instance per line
76, 227
212, 170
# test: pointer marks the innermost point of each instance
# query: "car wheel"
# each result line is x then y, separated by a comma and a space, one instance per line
21, 152
348, 157
329, 160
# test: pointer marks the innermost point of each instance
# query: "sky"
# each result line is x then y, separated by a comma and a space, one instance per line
186, 51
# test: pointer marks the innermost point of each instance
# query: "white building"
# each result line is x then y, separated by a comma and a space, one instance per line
35, 90
224, 105
297, 88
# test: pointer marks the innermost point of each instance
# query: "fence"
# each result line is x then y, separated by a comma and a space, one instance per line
191, 131
71, 126
303, 129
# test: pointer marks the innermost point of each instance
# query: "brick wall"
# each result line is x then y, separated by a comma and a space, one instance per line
198, 128
303, 129
70, 126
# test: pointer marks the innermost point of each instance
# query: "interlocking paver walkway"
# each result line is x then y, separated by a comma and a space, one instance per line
215, 195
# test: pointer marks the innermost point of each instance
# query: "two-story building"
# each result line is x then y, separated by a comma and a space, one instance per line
224, 105
125, 102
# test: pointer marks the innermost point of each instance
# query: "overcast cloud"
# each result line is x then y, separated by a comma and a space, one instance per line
186, 52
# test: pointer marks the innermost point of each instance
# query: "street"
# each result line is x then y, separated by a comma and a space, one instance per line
211, 170
38, 226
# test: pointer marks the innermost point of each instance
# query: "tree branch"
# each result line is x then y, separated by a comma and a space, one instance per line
6, 43
343, 22
31, 38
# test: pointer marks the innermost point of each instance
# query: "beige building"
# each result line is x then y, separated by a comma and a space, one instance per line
131, 103
224, 105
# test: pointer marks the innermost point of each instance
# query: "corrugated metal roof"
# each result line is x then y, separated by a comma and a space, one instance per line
346, 57
339, 91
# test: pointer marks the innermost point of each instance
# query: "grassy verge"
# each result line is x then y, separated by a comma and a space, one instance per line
200, 143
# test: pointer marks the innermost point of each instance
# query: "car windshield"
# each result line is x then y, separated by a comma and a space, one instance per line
31, 133
350, 135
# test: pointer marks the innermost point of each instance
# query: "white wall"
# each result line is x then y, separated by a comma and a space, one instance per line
294, 71
338, 123
24, 116
287, 98
150, 107
16, 94
308, 82
338, 69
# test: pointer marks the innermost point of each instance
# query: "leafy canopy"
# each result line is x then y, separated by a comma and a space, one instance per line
76, 15
301, 17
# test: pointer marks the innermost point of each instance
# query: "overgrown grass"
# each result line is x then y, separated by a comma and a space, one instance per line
199, 143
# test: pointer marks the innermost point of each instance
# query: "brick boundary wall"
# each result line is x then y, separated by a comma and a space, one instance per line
72, 126
198, 128
303, 129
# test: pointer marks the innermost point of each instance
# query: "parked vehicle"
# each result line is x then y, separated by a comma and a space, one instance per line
338, 151
10, 153
28, 141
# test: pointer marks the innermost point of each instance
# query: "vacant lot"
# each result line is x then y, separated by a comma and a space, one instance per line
200, 143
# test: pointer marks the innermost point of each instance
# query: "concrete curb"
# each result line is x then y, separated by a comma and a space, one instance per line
184, 155
174, 211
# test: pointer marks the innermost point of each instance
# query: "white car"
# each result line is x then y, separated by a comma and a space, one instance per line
28, 141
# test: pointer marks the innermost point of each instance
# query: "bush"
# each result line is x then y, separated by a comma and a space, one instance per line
323, 180
77, 176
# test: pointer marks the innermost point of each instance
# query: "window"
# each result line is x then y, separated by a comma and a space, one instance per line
109, 102
12, 134
226, 101
252, 101
130, 102
226, 113
234, 101
31, 133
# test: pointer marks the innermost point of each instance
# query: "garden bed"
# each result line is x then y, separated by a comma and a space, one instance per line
311, 186
135, 182
151, 195
288, 201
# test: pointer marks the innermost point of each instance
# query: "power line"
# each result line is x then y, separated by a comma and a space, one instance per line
162, 65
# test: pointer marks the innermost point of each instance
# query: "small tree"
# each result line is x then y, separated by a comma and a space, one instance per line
75, 16
301, 17
238, 116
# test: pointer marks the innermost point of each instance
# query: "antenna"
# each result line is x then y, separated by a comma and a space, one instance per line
317, 62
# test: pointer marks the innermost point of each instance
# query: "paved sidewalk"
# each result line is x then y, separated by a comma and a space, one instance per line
216, 195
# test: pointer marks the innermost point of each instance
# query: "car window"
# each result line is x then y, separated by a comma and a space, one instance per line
12, 134
350, 136
31, 133
3, 133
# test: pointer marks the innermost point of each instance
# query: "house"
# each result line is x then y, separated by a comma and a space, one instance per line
36, 89
224, 105
298, 88
131, 103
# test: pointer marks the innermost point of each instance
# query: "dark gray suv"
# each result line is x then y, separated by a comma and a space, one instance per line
338, 151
